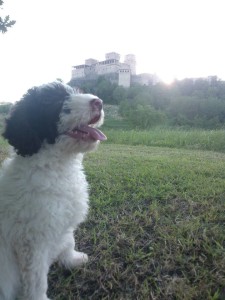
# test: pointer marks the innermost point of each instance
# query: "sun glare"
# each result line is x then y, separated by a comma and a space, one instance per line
167, 79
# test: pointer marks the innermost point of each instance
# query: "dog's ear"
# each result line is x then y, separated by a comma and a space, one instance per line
35, 117
19, 131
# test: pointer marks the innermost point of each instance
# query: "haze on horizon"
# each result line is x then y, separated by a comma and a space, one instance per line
174, 39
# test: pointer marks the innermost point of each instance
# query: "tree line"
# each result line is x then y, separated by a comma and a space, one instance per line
186, 103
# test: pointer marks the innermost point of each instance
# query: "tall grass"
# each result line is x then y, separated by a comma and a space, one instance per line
213, 140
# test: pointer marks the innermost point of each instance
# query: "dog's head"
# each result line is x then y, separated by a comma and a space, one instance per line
54, 114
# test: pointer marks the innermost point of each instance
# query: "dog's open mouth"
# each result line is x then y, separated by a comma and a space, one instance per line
87, 132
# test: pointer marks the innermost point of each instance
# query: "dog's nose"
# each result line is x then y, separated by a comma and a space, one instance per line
96, 104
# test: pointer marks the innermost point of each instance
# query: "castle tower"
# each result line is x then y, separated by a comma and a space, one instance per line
112, 55
130, 59
124, 77
90, 61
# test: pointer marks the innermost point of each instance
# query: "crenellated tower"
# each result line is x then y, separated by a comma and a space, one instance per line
130, 59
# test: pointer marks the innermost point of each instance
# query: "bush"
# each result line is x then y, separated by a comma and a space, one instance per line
141, 115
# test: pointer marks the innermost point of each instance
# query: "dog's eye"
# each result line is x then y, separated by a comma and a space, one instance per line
66, 110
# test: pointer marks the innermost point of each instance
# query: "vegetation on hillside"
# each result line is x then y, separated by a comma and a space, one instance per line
187, 103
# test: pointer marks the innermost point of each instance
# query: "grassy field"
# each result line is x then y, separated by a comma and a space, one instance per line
213, 140
156, 227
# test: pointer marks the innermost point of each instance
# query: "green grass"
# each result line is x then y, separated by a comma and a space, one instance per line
155, 228
213, 140
116, 124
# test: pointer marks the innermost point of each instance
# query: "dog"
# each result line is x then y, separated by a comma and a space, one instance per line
43, 189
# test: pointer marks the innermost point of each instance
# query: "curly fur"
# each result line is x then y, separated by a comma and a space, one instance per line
43, 190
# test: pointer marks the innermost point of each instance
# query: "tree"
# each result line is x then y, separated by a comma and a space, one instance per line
119, 94
5, 22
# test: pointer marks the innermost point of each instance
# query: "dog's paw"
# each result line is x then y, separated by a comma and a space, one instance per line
73, 258
79, 258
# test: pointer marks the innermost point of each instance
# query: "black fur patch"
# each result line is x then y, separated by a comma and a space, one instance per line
34, 118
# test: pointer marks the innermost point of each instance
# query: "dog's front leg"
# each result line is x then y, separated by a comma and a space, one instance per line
33, 267
68, 256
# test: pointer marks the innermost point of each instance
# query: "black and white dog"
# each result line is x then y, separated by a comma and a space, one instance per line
43, 190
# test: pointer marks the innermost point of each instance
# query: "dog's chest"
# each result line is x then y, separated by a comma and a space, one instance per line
65, 182
69, 190
45, 191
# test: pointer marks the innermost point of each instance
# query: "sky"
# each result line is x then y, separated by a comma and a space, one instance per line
172, 38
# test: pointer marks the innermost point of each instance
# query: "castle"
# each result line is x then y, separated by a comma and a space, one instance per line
122, 73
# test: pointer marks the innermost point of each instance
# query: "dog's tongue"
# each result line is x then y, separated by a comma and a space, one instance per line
96, 134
